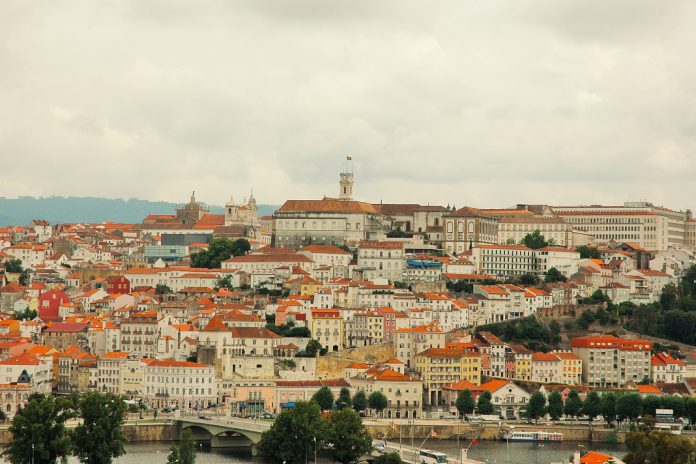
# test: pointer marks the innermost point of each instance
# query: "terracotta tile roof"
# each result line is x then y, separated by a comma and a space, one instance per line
648, 389
461, 386
313, 383
663, 359
24, 359
173, 363
270, 258
493, 385
328, 206
610, 341
325, 249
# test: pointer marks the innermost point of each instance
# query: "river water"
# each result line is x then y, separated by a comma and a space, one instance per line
486, 451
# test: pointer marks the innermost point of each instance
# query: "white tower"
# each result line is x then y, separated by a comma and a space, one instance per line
346, 185
231, 212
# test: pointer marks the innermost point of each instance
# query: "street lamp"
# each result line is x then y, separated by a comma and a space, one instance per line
315, 450
32, 453
507, 442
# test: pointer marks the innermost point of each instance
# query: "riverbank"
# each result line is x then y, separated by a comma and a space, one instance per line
153, 431
573, 433
146, 432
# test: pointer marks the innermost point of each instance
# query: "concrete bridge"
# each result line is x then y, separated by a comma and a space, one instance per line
225, 433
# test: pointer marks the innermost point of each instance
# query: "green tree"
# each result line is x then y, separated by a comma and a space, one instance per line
187, 448
26, 315
528, 279
377, 401
586, 318
669, 297
38, 430
592, 406
219, 250
688, 282
652, 447
650, 404
465, 402
312, 348
608, 407
555, 405
99, 438
588, 252
324, 398
572, 405
224, 282
360, 401
536, 407
534, 240
629, 406
554, 275
162, 289
348, 435
484, 404
690, 409
14, 265
173, 456
291, 437
388, 458
343, 400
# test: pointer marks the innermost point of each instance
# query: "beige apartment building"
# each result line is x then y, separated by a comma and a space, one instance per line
468, 227
609, 361
445, 366
651, 227
404, 393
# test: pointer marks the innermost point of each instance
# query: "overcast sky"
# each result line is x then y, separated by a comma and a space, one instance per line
470, 103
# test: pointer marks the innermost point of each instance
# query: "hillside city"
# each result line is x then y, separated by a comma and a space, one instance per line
246, 316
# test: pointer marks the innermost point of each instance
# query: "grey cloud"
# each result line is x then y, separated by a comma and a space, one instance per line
481, 103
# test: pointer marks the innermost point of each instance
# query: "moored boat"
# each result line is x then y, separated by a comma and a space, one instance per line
534, 436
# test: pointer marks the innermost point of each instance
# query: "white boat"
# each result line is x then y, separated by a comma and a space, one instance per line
534, 436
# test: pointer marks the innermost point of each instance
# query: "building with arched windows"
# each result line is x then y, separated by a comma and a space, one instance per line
466, 228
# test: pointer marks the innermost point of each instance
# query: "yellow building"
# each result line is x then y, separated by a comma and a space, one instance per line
327, 328
445, 366
571, 370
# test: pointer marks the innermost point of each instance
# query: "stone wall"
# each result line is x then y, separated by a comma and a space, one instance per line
488, 432
133, 433
332, 365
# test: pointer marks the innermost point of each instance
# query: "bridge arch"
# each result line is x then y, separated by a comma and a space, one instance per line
217, 437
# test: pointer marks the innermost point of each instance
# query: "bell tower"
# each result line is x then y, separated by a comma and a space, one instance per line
346, 186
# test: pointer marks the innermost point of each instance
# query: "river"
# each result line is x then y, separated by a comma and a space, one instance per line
487, 451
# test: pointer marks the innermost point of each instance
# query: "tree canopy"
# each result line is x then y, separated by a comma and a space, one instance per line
572, 405
592, 406
343, 400
360, 401
588, 252
555, 407
38, 430
537, 406
99, 438
653, 447
535, 240
377, 401
484, 404
291, 438
219, 250
348, 435
554, 275
14, 265
324, 398
465, 402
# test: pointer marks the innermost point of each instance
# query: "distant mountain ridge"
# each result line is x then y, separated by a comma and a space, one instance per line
21, 211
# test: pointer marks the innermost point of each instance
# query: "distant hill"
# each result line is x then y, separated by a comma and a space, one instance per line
21, 211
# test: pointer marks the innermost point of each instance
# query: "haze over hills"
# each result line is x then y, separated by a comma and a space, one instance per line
21, 211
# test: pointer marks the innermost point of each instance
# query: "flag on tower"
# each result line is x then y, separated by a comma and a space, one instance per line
349, 158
